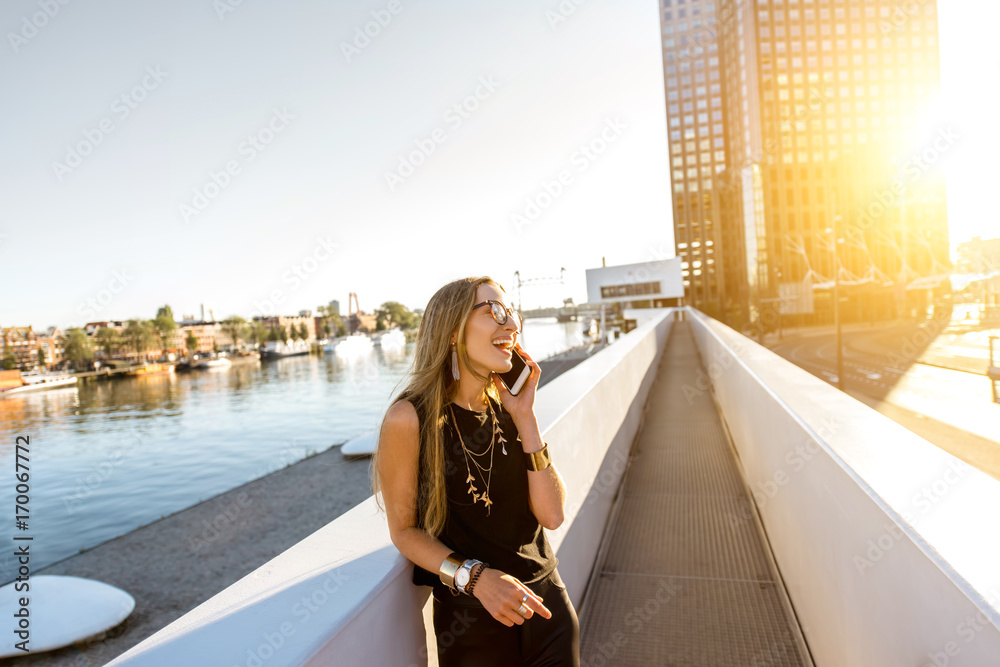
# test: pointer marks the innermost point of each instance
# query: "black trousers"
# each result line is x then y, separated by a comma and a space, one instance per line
467, 635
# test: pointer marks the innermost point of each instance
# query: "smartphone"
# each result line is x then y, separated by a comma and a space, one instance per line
515, 378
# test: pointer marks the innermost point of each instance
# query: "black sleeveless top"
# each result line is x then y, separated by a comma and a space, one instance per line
504, 534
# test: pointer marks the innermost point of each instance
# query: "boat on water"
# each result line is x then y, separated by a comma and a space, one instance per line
391, 340
568, 311
217, 362
276, 349
244, 357
148, 369
353, 345
361, 445
13, 382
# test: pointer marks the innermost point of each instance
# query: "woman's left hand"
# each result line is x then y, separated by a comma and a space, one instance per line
522, 406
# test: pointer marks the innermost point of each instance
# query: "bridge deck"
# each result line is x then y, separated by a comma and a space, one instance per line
686, 577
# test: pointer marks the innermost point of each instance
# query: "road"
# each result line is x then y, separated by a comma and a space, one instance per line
931, 382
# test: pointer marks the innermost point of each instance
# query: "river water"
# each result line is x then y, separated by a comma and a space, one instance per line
108, 456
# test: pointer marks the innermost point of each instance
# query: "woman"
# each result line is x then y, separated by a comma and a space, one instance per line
468, 486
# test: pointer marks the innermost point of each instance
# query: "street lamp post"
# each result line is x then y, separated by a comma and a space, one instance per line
836, 305
777, 274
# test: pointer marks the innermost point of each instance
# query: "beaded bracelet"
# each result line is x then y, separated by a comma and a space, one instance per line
474, 578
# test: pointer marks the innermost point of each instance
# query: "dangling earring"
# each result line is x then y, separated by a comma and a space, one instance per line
454, 363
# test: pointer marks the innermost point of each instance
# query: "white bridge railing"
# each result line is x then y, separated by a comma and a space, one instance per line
888, 545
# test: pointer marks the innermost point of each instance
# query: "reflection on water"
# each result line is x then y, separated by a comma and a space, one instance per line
112, 455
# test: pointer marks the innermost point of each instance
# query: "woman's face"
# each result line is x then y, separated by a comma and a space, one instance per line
489, 344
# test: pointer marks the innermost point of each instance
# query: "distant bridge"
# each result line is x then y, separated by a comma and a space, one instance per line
577, 312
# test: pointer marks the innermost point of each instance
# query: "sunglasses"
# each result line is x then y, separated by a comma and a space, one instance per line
500, 312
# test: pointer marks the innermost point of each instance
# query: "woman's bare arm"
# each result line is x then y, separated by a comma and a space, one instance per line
546, 491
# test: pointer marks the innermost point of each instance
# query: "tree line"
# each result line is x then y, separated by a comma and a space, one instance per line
140, 336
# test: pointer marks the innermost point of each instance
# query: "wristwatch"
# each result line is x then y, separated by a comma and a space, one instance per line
464, 573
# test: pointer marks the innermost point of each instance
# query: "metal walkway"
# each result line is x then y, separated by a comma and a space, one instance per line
685, 576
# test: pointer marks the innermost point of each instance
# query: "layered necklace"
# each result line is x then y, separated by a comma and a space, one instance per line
486, 473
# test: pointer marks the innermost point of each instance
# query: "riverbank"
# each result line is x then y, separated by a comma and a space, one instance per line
174, 564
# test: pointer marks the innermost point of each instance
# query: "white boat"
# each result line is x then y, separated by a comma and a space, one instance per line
34, 381
218, 362
63, 610
276, 349
362, 445
353, 345
392, 340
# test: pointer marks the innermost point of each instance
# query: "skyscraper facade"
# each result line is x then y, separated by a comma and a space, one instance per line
824, 165
696, 133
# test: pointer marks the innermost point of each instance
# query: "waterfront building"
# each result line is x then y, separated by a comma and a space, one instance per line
208, 333
979, 256
90, 328
283, 321
23, 343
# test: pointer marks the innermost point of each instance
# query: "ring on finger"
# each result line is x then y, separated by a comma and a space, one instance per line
522, 610
524, 599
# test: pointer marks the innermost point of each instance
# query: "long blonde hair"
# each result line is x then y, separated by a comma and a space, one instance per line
431, 388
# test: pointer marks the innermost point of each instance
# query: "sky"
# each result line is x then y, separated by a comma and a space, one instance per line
265, 158
270, 157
